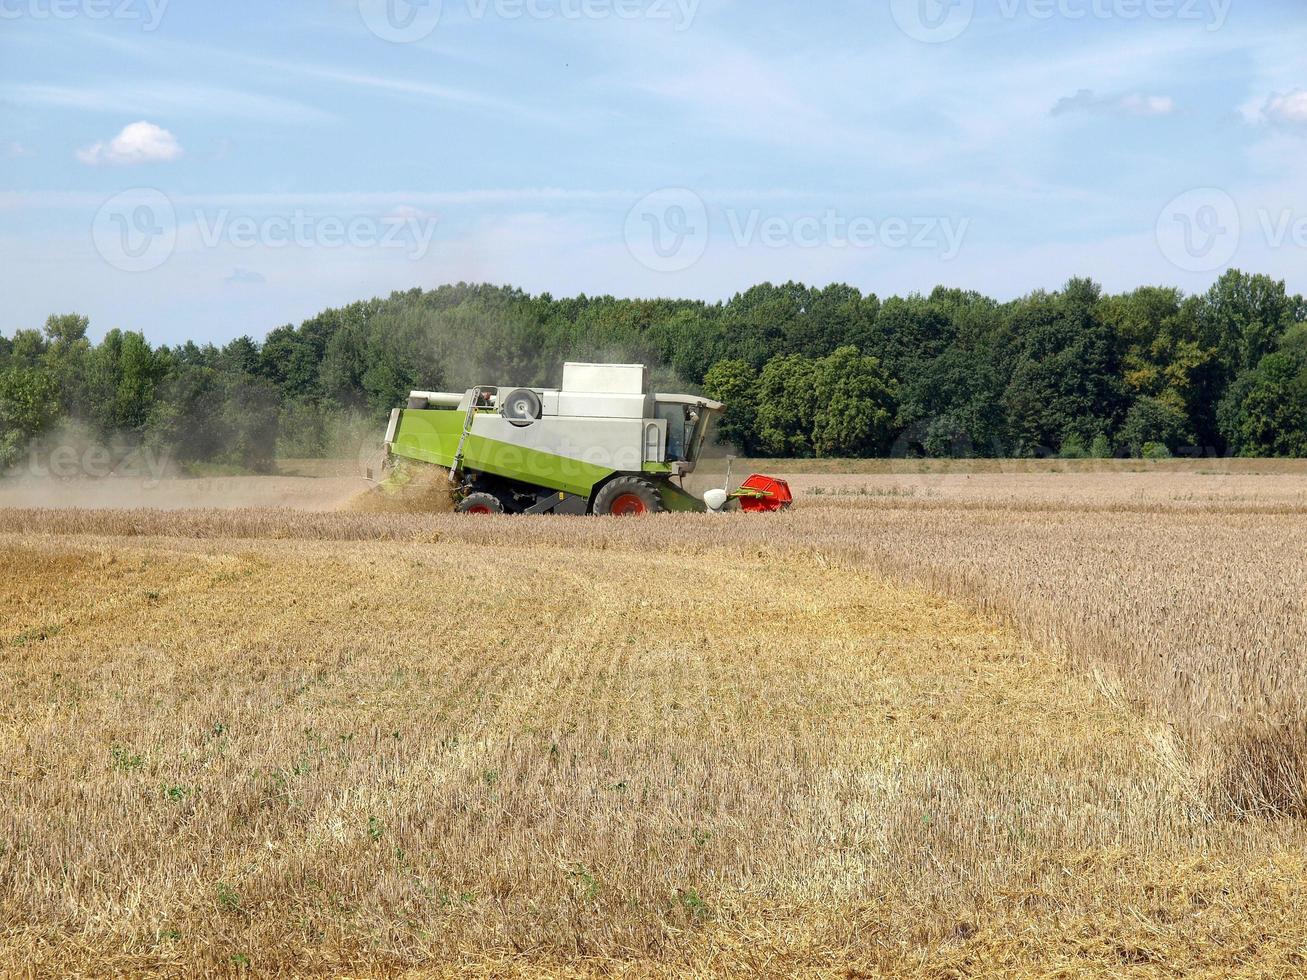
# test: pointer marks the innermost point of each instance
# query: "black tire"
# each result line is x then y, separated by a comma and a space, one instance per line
629, 496
521, 407
480, 503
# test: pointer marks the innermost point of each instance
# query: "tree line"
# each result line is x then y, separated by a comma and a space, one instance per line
805, 371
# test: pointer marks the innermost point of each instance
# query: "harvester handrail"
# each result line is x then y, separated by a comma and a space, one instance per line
473, 401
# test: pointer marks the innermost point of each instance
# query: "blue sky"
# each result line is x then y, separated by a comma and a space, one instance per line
203, 170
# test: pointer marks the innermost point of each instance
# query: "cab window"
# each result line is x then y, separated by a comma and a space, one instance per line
680, 430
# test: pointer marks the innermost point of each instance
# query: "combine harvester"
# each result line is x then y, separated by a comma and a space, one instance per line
600, 444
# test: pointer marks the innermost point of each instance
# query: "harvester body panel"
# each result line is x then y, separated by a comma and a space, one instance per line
548, 453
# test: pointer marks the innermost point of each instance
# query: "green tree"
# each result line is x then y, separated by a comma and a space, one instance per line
760, 322
787, 406
28, 406
1066, 376
1164, 355
67, 329
1273, 413
141, 371
247, 423
910, 332
27, 349
1243, 317
1154, 421
185, 421
1065, 370
734, 382
953, 406
241, 356
343, 366
856, 402
66, 355
122, 377
291, 360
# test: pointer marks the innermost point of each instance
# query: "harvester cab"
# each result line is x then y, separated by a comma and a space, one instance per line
602, 443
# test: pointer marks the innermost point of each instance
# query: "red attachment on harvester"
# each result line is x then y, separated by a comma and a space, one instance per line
762, 494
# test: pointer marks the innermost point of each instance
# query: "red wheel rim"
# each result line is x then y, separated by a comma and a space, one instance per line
629, 505
479, 509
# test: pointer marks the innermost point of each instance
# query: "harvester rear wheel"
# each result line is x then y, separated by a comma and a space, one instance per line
480, 503
629, 496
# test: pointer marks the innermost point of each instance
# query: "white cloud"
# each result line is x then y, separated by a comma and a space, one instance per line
1130, 104
1286, 110
12, 151
1148, 105
141, 142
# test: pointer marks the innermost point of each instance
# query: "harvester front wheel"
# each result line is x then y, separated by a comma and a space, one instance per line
480, 503
628, 496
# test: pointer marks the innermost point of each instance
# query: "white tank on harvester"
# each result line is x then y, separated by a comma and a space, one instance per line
602, 443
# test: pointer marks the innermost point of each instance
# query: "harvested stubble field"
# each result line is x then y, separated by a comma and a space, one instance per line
967, 728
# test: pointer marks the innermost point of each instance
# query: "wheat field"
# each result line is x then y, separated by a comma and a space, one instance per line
970, 724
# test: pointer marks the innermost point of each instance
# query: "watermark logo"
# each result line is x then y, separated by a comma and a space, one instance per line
1211, 14
407, 21
1283, 228
401, 21
573, 458
667, 231
148, 13
833, 229
679, 13
1200, 230
937, 21
408, 231
68, 461
933, 21
670, 229
136, 231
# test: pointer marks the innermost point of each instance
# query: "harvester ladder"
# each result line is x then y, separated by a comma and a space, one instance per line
456, 469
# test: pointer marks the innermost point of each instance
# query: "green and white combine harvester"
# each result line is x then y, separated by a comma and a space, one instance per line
600, 444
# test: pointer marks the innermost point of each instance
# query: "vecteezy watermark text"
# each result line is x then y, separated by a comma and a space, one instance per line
938, 21
1283, 227
408, 21
831, 229
95, 462
148, 12
678, 13
138, 230
1211, 14
670, 229
410, 232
